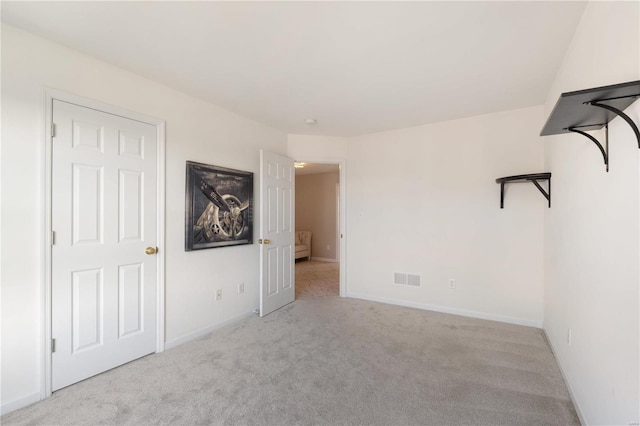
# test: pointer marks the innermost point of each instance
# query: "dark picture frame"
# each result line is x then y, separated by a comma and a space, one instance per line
219, 207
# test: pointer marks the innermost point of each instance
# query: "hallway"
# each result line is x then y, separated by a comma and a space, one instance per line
317, 279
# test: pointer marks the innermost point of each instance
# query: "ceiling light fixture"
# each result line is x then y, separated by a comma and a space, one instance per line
298, 165
310, 122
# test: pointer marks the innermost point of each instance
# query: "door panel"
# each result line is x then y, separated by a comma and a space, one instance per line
272, 274
87, 136
87, 204
87, 309
287, 210
130, 205
277, 286
131, 145
272, 209
104, 199
130, 298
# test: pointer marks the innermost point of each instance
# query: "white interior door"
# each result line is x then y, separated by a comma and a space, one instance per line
104, 197
277, 279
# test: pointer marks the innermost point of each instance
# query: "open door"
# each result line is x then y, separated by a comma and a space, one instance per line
277, 278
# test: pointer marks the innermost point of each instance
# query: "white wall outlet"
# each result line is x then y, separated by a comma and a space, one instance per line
218, 295
328, 247
452, 283
240, 288
569, 337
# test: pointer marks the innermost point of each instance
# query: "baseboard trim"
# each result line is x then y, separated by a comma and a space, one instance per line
19, 403
324, 259
567, 383
170, 344
448, 310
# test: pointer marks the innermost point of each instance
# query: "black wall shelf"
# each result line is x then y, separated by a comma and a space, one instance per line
533, 178
592, 109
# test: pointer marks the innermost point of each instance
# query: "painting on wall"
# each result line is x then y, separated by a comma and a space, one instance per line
219, 207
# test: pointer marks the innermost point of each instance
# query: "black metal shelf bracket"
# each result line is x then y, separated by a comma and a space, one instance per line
533, 178
604, 150
619, 113
575, 113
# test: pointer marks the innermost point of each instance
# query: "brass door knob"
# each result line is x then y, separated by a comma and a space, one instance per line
265, 241
151, 250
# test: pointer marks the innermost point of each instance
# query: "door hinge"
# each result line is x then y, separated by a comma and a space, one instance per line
53, 345
53, 238
53, 130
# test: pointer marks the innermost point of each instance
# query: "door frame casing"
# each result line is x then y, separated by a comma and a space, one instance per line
342, 226
46, 296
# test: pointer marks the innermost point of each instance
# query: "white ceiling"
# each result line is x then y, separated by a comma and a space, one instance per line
356, 67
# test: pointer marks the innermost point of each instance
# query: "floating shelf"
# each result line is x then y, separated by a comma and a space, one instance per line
593, 109
533, 178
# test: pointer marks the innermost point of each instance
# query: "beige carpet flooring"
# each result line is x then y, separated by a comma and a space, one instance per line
326, 360
317, 279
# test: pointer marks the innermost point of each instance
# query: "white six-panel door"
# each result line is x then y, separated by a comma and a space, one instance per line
277, 278
103, 216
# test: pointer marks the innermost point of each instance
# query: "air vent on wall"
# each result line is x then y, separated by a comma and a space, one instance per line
413, 280
406, 279
400, 278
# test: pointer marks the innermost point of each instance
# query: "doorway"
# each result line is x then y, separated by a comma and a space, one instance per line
318, 213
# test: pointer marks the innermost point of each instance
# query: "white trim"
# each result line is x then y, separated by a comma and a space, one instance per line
566, 379
160, 223
204, 331
45, 349
101, 106
448, 310
342, 165
324, 259
49, 96
18, 403
337, 241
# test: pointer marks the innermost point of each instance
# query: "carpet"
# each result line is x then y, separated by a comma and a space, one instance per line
325, 360
317, 279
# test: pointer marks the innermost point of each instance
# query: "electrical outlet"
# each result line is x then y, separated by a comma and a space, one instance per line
218, 294
452, 283
569, 337
240, 288
328, 247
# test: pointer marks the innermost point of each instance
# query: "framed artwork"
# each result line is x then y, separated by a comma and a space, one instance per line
219, 207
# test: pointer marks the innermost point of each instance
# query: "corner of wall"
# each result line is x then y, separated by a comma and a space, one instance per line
583, 317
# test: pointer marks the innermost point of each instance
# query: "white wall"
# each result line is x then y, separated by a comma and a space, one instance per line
195, 130
592, 232
419, 200
424, 200
316, 207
